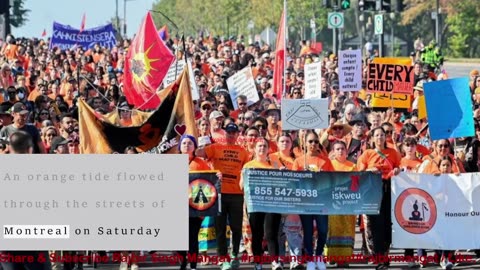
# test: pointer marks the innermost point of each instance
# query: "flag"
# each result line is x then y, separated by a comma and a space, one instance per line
44, 33
159, 133
163, 33
279, 68
82, 24
146, 64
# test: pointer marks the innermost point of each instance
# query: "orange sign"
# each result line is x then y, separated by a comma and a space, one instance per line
392, 78
382, 100
415, 211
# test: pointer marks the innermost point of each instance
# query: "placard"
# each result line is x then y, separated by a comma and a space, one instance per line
242, 83
350, 70
203, 193
304, 114
313, 80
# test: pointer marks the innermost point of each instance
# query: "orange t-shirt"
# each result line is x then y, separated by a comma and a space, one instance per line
433, 166
371, 159
198, 164
315, 163
410, 165
229, 159
346, 166
255, 164
279, 160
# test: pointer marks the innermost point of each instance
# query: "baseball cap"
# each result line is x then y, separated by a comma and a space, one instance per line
232, 127
20, 108
56, 142
215, 115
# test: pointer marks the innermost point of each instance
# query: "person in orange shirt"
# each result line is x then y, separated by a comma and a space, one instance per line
228, 158
249, 141
263, 223
410, 162
386, 161
284, 158
431, 163
187, 145
341, 228
315, 161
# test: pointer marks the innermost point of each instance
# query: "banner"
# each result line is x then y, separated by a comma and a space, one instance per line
66, 37
175, 70
350, 70
436, 212
158, 134
242, 83
304, 114
313, 80
203, 194
305, 192
457, 120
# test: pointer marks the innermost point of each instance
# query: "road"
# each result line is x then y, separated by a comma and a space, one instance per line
148, 265
455, 70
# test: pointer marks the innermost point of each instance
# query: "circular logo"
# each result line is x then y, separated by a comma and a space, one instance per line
202, 194
415, 211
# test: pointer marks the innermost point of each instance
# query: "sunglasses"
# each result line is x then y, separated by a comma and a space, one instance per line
244, 118
260, 126
313, 141
205, 108
388, 131
443, 146
242, 104
409, 144
44, 113
51, 134
337, 128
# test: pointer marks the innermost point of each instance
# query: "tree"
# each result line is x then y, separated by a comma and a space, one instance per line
464, 29
18, 13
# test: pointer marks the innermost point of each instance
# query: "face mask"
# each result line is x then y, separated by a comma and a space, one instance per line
20, 95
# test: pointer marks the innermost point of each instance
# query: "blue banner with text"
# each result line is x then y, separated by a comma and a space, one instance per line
305, 192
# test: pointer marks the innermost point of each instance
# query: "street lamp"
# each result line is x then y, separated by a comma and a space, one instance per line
392, 41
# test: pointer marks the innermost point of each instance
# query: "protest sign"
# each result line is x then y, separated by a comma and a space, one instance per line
350, 70
313, 80
140, 187
312, 193
392, 75
175, 70
242, 83
66, 37
304, 114
457, 120
203, 194
422, 107
382, 100
427, 207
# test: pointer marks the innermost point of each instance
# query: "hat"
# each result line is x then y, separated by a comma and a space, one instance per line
20, 108
124, 106
474, 72
271, 107
346, 128
356, 119
205, 102
5, 107
186, 136
232, 127
215, 115
419, 86
56, 142
266, 55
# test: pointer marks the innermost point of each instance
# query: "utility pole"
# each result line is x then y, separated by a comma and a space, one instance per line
116, 17
125, 18
379, 5
437, 23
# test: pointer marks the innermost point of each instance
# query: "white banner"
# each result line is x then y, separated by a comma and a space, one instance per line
304, 114
175, 70
313, 80
350, 70
242, 83
436, 212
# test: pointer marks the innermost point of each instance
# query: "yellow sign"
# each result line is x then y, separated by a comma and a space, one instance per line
381, 100
422, 108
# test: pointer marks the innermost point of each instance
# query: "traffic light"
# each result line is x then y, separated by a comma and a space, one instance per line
366, 5
400, 6
345, 4
387, 5
4, 6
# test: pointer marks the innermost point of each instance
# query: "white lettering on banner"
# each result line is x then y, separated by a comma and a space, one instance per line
427, 207
242, 83
350, 70
175, 70
313, 80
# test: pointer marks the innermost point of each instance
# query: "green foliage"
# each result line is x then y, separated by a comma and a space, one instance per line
18, 13
464, 29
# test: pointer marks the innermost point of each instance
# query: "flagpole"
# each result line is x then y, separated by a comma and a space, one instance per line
284, 83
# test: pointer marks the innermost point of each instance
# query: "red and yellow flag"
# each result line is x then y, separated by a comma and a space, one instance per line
146, 64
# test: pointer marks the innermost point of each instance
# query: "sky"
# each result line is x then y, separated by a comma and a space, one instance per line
70, 12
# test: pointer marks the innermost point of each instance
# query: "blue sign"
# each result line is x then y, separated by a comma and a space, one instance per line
66, 37
305, 192
449, 109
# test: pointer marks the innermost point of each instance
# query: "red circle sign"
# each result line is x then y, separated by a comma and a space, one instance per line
415, 211
202, 194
